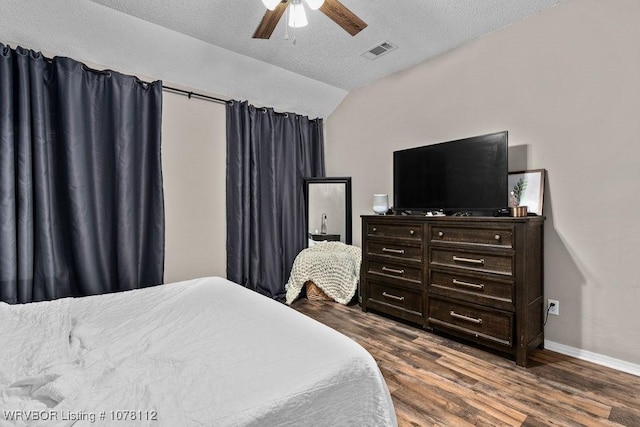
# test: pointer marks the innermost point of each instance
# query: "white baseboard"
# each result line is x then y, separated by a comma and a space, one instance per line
598, 359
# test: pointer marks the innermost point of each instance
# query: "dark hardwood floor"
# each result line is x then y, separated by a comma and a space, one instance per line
437, 381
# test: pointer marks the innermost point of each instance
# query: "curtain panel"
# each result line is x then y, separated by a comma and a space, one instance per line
268, 156
81, 199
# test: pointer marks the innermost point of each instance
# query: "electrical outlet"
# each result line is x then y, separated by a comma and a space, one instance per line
553, 305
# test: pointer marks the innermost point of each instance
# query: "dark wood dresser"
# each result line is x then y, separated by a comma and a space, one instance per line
477, 278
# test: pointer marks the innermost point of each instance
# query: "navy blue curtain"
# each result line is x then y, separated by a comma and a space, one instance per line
268, 156
81, 200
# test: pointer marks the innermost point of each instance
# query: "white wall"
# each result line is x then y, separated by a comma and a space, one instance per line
193, 169
566, 86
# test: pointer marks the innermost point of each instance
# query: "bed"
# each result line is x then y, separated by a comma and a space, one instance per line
200, 352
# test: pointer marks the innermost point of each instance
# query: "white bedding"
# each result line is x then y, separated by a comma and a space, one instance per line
201, 352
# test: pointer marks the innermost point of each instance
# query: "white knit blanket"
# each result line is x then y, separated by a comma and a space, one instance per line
333, 266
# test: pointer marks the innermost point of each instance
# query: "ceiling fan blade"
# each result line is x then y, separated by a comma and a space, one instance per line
342, 16
270, 20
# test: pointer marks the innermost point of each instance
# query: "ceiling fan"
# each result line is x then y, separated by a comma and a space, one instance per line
335, 10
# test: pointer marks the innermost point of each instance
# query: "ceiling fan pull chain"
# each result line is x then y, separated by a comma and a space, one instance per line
293, 33
286, 27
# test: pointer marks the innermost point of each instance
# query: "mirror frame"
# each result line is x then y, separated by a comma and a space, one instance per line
331, 180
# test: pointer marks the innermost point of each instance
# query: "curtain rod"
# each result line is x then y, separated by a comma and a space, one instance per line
190, 94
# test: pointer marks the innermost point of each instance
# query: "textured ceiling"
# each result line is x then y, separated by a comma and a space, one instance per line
206, 45
323, 51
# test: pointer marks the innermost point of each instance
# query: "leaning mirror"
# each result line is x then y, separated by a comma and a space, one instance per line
328, 209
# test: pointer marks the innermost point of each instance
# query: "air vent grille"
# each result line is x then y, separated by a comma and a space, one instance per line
379, 50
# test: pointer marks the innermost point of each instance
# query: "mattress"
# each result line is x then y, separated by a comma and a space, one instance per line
200, 352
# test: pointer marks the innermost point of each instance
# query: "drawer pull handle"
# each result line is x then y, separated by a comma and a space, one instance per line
393, 251
412, 232
440, 234
374, 229
497, 237
392, 270
466, 318
467, 284
395, 297
469, 260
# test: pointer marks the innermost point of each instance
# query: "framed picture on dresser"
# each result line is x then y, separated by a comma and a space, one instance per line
526, 188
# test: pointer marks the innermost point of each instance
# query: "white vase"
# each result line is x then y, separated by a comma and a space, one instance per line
380, 203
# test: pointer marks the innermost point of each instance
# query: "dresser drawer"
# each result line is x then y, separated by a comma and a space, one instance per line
394, 270
481, 324
472, 260
394, 250
479, 290
404, 299
502, 237
404, 231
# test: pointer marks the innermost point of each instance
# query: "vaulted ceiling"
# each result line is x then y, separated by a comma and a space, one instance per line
207, 45
323, 51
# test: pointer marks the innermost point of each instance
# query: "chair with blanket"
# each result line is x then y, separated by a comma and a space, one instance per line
333, 267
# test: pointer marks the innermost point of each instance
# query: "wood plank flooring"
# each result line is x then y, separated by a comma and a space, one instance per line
437, 381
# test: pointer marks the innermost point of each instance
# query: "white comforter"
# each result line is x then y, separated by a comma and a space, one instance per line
201, 352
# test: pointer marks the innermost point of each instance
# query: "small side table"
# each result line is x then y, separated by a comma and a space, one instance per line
324, 237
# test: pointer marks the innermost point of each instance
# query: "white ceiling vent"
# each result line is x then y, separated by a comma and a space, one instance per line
379, 50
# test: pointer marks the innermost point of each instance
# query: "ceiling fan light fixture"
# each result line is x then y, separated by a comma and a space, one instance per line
270, 4
297, 15
314, 4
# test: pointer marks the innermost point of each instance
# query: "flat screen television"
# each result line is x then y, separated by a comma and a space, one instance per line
466, 176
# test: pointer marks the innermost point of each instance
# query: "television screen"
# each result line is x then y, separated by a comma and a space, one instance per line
462, 176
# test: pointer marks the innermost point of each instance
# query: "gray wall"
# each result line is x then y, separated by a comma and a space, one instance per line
566, 86
193, 170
